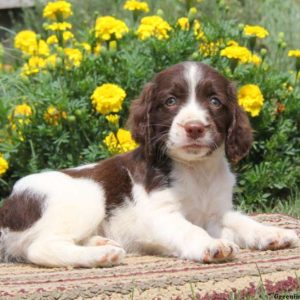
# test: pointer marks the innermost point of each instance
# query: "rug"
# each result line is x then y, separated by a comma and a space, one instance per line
153, 277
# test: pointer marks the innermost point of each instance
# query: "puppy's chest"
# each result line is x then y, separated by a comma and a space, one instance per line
203, 197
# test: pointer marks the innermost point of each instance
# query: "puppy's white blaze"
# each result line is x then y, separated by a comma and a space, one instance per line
192, 75
193, 111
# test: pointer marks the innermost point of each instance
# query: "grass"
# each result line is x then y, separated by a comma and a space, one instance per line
290, 207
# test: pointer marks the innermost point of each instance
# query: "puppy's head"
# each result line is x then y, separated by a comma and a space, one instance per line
188, 111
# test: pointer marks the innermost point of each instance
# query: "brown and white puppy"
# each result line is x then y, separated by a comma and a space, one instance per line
170, 196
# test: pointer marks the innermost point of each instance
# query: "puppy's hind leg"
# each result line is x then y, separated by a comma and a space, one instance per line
74, 211
55, 251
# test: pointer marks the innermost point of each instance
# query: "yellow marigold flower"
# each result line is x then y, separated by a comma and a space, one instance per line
28, 43
153, 26
87, 47
197, 27
52, 39
20, 117
97, 49
232, 43
237, 52
256, 31
42, 48
183, 23
136, 5
107, 28
192, 14
255, 59
22, 110
108, 98
193, 10
52, 116
120, 142
73, 57
51, 60
294, 53
3, 165
198, 32
59, 26
34, 65
210, 48
67, 35
113, 45
54, 10
251, 99
113, 119
240, 53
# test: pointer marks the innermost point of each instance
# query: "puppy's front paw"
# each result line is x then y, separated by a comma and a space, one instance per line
274, 238
219, 250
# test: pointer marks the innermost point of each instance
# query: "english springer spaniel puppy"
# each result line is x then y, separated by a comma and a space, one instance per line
170, 196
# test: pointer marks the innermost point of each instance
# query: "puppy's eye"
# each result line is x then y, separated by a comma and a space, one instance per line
215, 102
172, 101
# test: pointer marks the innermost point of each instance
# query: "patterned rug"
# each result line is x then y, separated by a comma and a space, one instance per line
153, 277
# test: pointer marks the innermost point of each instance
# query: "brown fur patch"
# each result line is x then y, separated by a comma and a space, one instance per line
112, 174
20, 211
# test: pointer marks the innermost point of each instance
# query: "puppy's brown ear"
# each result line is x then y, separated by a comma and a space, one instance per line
239, 136
138, 121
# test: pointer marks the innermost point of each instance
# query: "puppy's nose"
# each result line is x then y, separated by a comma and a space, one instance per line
194, 129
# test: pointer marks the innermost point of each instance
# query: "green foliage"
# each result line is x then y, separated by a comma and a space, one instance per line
270, 172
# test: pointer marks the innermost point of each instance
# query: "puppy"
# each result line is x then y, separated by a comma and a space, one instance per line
170, 196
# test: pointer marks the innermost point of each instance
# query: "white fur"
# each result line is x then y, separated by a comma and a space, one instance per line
192, 75
193, 218
206, 190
